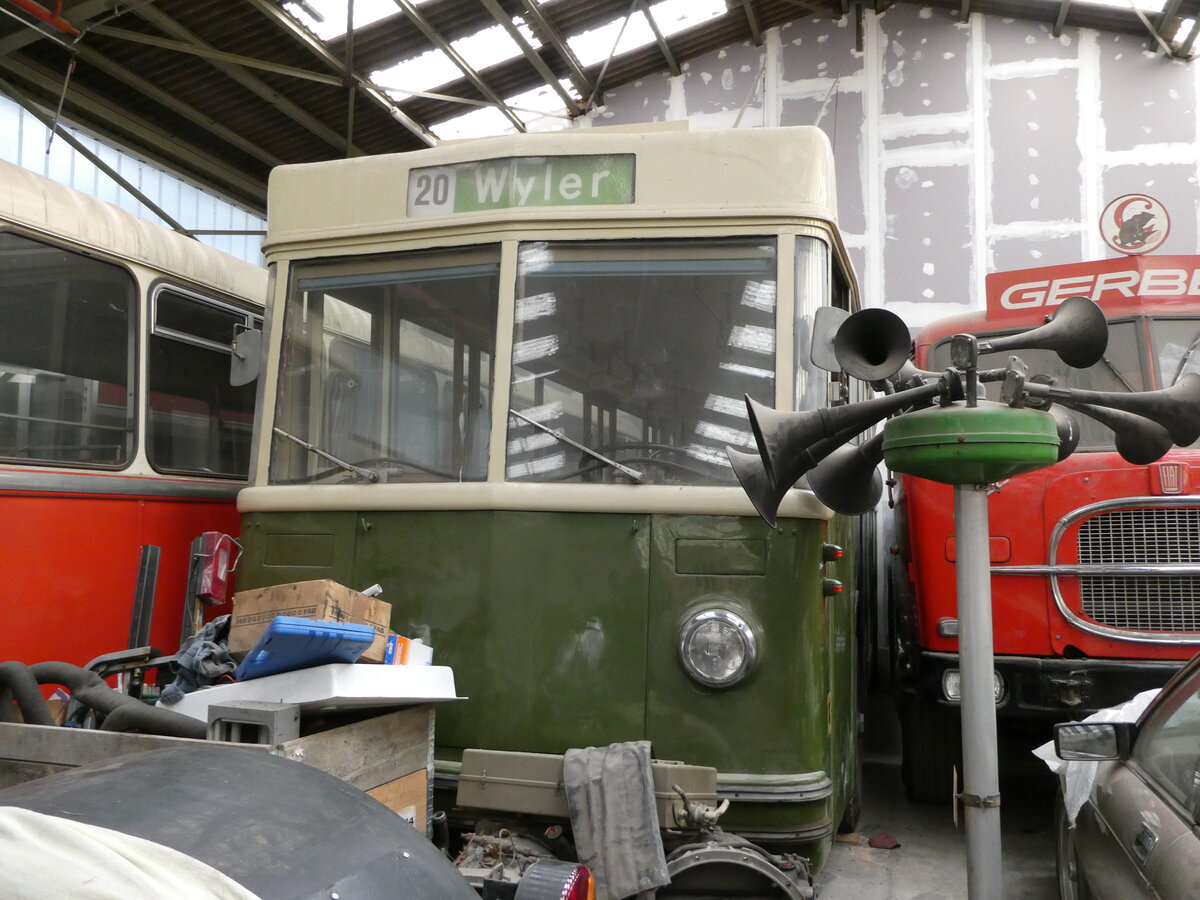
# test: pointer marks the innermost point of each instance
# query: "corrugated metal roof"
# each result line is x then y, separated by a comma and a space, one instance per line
223, 90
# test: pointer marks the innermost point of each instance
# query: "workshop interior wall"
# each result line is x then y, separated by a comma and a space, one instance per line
962, 148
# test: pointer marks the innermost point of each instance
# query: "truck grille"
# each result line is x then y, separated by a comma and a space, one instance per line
1142, 536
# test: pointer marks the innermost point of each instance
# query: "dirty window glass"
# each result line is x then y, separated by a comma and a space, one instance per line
66, 356
641, 351
1168, 749
387, 368
197, 422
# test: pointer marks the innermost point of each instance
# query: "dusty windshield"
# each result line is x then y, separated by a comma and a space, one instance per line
1120, 371
640, 352
387, 369
1176, 343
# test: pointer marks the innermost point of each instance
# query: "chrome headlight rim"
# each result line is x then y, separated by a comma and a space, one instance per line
740, 626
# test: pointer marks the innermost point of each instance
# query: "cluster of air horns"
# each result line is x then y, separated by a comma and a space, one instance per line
873, 345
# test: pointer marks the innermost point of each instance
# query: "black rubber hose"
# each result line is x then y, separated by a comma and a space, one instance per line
21, 682
122, 712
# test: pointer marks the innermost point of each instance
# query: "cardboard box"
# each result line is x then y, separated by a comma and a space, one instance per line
323, 600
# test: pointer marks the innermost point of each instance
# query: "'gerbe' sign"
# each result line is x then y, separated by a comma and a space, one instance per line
521, 181
1108, 282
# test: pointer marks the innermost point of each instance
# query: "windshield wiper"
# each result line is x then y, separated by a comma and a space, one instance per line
1112, 367
352, 469
634, 474
1187, 355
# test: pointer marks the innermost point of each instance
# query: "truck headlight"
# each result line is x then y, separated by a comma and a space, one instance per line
718, 648
952, 685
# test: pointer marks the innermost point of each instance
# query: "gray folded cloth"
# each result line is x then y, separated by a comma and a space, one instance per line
610, 794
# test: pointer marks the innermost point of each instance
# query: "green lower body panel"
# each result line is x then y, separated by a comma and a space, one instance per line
563, 630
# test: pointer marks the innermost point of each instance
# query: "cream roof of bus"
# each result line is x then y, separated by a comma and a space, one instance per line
39, 205
775, 174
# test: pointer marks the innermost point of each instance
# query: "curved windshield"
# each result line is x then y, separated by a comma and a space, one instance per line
1119, 371
637, 355
387, 369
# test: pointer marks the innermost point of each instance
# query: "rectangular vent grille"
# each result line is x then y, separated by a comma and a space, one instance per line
1150, 536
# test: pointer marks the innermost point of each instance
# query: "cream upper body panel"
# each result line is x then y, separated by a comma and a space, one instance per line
779, 175
43, 207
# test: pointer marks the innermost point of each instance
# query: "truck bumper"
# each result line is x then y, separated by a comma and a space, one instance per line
1058, 689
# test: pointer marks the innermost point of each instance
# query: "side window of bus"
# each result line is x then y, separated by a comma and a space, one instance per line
66, 356
197, 422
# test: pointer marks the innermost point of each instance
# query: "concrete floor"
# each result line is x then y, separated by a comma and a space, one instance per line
930, 861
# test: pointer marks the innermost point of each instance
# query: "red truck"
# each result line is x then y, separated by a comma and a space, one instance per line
1095, 561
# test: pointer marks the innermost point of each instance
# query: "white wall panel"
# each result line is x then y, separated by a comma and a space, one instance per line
963, 148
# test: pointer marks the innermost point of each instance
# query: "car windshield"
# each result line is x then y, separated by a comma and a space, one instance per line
1119, 371
1176, 344
387, 368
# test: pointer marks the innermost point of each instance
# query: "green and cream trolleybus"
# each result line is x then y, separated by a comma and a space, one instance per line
500, 380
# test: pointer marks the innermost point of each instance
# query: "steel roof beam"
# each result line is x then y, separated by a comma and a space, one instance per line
170, 151
236, 59
1063, 8
751, 22
1158, 38
250, 82
672, 64
530, 53
102, 63
1169, 13
80, 13
310, 42
549, 35
435, 37
1185, 49
52, 126
165, 98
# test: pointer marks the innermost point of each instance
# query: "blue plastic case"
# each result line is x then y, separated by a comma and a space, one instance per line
291, 642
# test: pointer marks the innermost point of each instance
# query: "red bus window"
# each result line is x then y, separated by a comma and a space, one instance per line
66, 356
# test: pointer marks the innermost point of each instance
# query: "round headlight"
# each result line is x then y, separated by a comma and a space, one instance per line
717, 647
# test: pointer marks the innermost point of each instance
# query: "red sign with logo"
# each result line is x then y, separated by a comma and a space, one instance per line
1110, 283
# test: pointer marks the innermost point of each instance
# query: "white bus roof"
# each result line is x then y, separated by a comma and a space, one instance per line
774, 174
40, 206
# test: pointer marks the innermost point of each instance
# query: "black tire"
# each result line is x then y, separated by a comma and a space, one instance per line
930, 749
1071, 884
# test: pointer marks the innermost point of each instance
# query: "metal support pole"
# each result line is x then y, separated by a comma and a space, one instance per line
981, 779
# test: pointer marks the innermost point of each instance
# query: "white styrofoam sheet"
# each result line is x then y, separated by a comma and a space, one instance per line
334, 686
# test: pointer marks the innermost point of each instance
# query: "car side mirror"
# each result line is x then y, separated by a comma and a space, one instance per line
826, 321
1080, 741
246, 356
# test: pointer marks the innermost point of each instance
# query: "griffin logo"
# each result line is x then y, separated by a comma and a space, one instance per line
1134, 224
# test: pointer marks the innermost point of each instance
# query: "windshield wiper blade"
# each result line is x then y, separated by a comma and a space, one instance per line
1184, 360
341, 463
559, 436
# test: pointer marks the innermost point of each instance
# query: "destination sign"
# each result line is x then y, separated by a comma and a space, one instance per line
521, 181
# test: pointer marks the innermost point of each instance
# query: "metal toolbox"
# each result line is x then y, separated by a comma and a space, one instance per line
532, 783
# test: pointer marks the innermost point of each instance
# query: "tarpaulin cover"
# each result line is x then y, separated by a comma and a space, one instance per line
43, 856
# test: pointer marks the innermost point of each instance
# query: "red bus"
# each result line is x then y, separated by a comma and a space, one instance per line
119, 428
1095, 561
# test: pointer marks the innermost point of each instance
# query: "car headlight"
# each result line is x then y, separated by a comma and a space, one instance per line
717, 647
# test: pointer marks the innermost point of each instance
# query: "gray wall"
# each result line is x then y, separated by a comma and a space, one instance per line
962, 148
